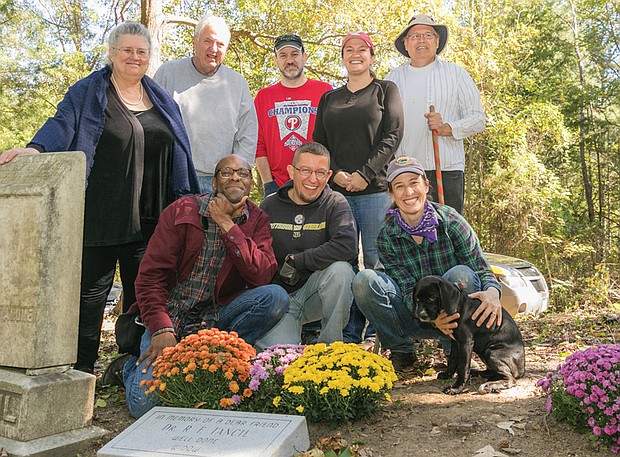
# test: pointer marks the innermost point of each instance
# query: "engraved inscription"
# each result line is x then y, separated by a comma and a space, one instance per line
207, 434
16, 314
9, 408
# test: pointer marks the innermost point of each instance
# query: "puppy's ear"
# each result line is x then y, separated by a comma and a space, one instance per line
415, 289
450, 296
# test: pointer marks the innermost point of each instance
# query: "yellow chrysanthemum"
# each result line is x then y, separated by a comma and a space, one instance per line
300, 409
296, 389
276, 401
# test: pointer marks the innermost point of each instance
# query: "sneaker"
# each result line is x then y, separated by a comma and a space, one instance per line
113, 375
403, 361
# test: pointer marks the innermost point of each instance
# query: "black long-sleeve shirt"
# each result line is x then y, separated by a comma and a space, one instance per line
318, 234
361, 130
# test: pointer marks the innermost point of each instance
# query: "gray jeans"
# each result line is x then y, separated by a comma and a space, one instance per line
326, 296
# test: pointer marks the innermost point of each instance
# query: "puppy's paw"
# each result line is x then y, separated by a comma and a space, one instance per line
495, 387
451, 390
445, 375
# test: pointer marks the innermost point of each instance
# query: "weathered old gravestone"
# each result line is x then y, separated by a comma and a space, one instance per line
206, 433
45, 407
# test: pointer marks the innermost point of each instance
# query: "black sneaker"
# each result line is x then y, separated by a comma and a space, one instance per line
403, 361
113, 375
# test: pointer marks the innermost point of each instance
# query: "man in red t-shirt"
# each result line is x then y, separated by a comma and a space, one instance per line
286, 112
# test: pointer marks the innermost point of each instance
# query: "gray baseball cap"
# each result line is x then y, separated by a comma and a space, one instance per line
404, 164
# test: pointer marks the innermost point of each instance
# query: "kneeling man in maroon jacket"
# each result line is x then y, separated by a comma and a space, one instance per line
210, 261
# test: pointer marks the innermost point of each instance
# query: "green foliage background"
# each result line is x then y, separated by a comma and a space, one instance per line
542, 178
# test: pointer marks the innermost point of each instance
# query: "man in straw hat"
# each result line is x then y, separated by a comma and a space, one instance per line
427, 81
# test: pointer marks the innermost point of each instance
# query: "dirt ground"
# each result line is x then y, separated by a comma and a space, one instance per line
423, 421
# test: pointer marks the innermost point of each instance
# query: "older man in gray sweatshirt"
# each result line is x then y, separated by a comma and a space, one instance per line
215, 101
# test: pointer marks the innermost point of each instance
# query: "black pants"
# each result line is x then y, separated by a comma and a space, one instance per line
453, 188
98, 268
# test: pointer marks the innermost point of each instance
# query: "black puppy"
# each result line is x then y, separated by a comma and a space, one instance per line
500, 348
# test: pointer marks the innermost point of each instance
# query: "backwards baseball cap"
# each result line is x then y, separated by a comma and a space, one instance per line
361, 36
291, 40
404, 164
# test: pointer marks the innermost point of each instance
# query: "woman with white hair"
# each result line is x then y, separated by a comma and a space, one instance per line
137, 162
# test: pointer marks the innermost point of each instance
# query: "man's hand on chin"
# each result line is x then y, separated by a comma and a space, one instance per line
222, 211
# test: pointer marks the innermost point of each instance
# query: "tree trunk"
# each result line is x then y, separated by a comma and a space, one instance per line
587, 184
153, 20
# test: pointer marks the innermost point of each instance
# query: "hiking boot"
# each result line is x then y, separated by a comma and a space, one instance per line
403, 361
113, 375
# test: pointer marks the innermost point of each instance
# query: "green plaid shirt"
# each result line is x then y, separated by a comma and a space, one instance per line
407, 262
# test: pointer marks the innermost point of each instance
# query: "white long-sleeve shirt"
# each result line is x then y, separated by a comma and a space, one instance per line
218, 112
450, 89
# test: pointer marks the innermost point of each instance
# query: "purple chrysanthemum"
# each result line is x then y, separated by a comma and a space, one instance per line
272, 362
590, 377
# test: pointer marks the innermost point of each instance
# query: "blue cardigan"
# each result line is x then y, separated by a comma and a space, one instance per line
79, 121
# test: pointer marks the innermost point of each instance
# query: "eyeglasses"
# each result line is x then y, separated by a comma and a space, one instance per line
305, 171
209, 42
419, 36
227, 173
128, 52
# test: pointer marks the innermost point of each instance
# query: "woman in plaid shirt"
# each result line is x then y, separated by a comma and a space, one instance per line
421, 238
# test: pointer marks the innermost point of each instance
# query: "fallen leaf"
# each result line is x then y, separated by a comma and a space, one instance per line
462, 426
314, 452
101, 403
511, 451
488, 451
507, 426
365, 453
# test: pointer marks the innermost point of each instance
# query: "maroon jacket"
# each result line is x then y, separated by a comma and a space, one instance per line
175, 246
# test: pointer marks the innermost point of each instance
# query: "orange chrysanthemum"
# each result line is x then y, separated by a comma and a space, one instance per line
208, 365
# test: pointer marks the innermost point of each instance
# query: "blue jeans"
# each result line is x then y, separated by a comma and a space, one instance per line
380, 299
252, 314
354, 330
326, 296
270, 188
206, 183
369, 213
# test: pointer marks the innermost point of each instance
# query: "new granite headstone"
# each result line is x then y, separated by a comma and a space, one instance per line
206, 433
45, 407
